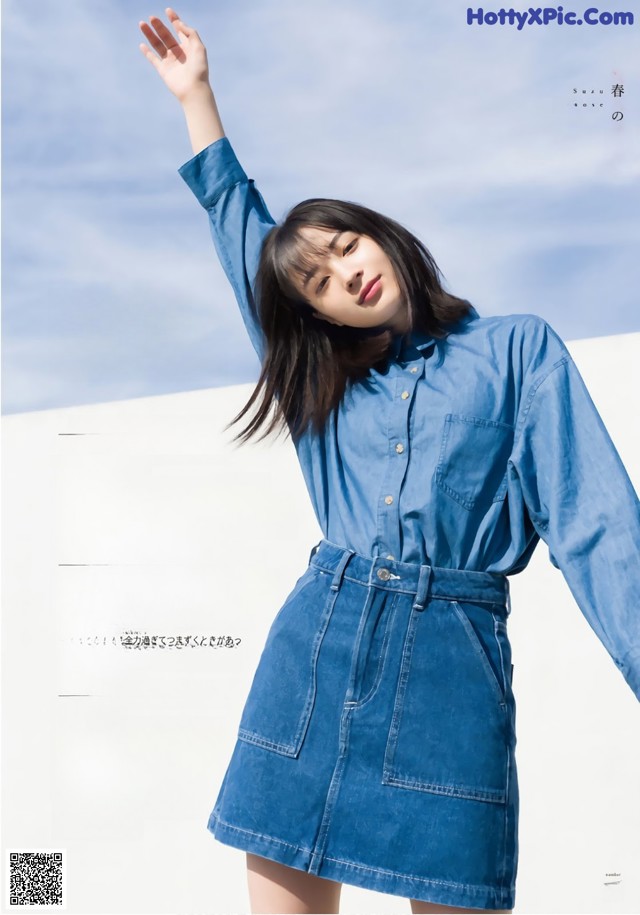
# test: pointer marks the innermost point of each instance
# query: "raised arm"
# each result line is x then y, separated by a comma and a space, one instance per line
238, 216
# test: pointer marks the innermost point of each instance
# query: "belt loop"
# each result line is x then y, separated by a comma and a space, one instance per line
508, 590
337, 578
314, 550
423, 587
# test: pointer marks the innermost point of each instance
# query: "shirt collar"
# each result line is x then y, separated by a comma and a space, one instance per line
405, 347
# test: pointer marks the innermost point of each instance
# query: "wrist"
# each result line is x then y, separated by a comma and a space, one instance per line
198, 94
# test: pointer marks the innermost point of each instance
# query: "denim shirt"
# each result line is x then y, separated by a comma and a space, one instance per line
461, 453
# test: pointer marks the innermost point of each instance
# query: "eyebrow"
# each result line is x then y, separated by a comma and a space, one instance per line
310, 273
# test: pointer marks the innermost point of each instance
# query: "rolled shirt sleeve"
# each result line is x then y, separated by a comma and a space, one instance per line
239, 221
581, 500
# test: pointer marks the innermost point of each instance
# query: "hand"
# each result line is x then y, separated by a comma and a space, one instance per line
182, 65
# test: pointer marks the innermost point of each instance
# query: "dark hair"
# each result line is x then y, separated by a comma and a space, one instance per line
308, 362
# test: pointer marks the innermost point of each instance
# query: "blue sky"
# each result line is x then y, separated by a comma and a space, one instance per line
466, 134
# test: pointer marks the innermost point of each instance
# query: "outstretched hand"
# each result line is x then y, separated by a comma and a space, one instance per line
182, 62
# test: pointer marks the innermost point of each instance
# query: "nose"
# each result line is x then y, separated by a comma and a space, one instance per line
351, 277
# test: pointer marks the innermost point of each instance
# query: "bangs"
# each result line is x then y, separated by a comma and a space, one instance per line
296, 257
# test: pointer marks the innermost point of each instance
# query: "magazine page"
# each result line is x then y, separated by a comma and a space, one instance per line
321, 542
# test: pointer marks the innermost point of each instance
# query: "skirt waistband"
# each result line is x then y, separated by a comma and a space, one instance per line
423, 580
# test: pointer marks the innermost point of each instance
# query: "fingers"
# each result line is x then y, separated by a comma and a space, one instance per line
167, 39
162, 40
178, 24
148, 53
157, 45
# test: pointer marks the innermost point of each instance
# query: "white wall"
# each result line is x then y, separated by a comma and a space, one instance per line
140, 515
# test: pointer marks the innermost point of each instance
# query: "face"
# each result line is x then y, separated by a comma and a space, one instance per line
335, 291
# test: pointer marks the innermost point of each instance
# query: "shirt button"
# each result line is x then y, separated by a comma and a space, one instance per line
388, 499
414, 369
404, 395
391, 556
399, 448
384, 574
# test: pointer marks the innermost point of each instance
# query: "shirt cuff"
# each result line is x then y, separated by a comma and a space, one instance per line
211, 171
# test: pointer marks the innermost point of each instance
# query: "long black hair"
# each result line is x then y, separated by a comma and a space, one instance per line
308, 362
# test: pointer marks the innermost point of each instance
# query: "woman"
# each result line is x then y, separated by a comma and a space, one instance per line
377, 743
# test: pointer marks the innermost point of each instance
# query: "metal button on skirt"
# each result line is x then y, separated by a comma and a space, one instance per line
377, 742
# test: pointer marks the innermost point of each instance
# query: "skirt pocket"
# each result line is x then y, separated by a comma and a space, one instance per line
450, 730
280, 701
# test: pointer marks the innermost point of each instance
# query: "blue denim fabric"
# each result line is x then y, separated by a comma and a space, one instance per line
377, 743
495, 444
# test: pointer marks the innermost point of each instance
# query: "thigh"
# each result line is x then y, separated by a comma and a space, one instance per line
276, 888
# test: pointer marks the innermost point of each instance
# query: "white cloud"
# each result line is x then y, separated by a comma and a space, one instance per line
467, 135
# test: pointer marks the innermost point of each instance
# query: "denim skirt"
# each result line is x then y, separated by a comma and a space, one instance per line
377, 742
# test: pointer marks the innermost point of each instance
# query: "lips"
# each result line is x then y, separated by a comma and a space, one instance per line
367, 289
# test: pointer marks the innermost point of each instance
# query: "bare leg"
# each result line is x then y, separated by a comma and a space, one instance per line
276, 888
421, 908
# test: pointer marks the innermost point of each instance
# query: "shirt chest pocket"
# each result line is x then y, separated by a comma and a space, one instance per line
472, 464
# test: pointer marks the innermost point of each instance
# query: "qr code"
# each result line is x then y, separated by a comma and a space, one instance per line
36, 877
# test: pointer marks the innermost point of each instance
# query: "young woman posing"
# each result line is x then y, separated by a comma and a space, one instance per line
377, 743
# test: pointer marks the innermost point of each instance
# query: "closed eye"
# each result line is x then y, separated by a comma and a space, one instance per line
347, 250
